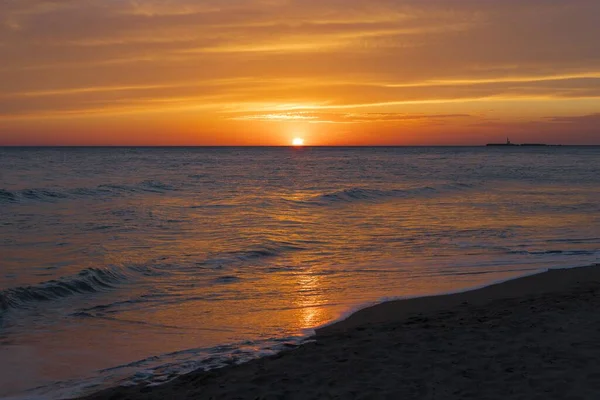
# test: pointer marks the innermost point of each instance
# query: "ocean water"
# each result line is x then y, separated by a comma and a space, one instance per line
129, 265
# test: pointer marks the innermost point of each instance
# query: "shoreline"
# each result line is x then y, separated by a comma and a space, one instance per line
397, 309
392, 299
383, 335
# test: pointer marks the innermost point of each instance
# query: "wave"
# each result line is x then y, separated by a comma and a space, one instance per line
156, 186
7, 196
90, 280
227, 279
95, 280
105, 190
264, 251
368, 194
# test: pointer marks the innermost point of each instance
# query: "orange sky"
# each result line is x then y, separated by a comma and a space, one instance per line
335, 72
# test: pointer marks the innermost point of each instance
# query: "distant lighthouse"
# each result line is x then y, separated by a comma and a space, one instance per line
508, 143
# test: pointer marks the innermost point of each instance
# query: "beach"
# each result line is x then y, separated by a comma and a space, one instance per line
534, 337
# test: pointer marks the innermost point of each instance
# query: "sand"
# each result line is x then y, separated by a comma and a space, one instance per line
532, 338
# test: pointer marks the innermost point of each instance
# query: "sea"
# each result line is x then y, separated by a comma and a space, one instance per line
121, 266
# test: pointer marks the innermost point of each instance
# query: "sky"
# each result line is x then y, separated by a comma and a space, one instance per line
333, 72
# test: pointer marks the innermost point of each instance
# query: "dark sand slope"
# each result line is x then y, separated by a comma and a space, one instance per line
533, 338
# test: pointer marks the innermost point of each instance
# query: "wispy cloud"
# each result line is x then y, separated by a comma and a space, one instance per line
310, 62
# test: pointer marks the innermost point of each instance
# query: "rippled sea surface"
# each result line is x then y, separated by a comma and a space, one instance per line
122, 265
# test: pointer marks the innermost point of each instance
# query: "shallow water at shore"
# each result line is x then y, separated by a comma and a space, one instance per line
133, 265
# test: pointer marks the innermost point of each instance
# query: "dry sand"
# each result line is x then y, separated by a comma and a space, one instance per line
532, 338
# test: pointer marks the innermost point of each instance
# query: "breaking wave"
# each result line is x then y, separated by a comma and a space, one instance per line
90, 280
367, 194
106, 190
259, 252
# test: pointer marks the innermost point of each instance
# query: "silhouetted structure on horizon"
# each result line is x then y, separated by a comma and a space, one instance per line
508, 143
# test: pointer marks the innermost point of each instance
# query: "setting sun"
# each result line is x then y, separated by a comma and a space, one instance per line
298, 142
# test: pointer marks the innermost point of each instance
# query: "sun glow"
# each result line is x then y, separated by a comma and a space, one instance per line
298, 142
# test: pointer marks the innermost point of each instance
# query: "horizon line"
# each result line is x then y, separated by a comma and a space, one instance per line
275, 146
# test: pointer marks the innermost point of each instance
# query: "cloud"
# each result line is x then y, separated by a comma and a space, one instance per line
346, 118
271, 57
591, 120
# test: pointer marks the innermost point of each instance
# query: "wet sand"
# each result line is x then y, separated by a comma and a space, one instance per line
536, 337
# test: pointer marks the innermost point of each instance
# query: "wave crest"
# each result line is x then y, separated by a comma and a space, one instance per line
256, 253
90, 280
105, 190
368, 194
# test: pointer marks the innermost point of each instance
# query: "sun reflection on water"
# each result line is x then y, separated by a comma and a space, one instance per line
310, 301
